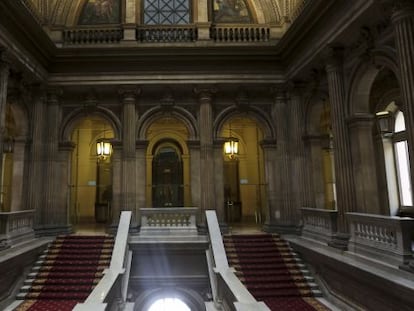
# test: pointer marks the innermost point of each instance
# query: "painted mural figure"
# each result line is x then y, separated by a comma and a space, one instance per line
100, 12
231, 11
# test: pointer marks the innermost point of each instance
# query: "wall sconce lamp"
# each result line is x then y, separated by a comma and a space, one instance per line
385, 122
103, 148
8, 145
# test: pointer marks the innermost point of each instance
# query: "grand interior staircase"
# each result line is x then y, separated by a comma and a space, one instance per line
66, 273
272, 272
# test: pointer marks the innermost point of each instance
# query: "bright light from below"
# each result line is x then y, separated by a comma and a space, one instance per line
169, 304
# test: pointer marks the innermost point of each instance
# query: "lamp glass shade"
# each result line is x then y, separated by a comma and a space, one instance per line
231, 147
103, 148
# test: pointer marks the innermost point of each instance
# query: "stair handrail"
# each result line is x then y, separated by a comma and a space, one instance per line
119, 267
223, 277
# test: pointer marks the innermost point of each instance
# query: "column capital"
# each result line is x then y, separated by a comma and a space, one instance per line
129, 93
333, 58
4, 58
205, 92
53, 94
279, 92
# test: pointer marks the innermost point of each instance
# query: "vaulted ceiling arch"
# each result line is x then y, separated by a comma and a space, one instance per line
66, 12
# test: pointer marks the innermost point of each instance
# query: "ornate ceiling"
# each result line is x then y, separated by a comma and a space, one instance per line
66, 12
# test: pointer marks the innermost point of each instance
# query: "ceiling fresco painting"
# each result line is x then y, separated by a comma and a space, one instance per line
101, 12
231, 11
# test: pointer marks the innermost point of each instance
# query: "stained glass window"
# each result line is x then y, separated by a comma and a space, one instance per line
166, 12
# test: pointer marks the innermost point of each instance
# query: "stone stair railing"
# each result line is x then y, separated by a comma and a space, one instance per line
171, 218
92, 35
15, 227
112, 288
319, 224
384, 238
228, 291
239, 33
166, 33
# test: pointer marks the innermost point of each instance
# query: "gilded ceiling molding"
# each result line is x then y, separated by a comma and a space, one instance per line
257, 11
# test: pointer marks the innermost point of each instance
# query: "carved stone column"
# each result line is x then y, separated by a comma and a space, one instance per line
317, 170
4, 79
279, 217
37, 155
54, 220
63, 180
141, 160
117, 173
194, 149
363, 155
128, 181
403, 20
205, 97
299, 173
343, 161
219, 181
270, 154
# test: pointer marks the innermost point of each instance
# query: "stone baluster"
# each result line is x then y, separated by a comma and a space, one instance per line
205, 97
403, 21
363, 151
128, 181
343, 161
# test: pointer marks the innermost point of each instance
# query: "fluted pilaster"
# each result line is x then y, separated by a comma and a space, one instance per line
205, 98
51, 173
299, 171
128, 184
4, 79
403, 20
280, 214
37, 155
343, 161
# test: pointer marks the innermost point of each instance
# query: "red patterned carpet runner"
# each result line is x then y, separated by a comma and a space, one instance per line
272, 272
67, 273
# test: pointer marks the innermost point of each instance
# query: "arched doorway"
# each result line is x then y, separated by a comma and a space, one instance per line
91, 174
243, 173
167, 175
168, 163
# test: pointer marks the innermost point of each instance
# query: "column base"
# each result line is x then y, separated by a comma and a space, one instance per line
53, 230
281, 228
340, 241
